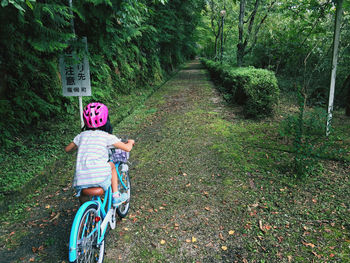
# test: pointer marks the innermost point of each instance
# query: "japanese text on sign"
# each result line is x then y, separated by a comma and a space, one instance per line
75, 76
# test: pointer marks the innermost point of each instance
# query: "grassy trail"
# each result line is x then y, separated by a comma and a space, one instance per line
207, 186
177, 185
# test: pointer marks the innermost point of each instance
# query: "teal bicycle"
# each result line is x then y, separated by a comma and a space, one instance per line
89, 228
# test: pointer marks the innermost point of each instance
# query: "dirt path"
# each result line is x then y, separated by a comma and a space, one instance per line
178, 212
177, 198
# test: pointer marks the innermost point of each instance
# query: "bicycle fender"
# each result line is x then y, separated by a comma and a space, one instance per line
74, 230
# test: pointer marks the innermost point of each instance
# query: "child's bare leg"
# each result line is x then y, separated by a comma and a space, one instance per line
114, 178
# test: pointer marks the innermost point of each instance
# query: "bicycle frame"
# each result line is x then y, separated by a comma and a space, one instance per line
105, 212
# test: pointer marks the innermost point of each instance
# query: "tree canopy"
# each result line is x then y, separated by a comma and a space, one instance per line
292, 38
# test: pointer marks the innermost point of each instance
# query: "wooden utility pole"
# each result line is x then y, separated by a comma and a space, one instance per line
339, 7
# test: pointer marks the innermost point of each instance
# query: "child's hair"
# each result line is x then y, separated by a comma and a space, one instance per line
107, 127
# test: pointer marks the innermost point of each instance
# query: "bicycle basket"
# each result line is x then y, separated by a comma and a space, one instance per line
119, 156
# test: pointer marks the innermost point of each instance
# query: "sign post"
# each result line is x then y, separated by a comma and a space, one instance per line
75, 73
75, 76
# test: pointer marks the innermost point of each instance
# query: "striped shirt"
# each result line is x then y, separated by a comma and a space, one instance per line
92, 167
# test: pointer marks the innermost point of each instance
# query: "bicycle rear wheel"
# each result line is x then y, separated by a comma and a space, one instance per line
88, 249
123, 209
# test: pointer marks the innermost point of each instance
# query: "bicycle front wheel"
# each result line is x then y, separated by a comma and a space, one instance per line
124, 187
88, 249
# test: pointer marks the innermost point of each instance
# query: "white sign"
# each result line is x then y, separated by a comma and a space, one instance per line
75, 77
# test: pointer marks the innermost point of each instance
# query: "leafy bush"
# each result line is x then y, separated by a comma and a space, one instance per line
255, 89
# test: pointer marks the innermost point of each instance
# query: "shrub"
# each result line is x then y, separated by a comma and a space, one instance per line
255, 89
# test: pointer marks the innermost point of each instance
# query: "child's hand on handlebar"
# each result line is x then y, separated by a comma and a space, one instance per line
132, 142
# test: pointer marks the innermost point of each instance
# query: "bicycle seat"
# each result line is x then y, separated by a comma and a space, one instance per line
93, 191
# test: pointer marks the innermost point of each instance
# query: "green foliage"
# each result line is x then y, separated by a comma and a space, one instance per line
132, 45
255, 89
306, 131
294, 40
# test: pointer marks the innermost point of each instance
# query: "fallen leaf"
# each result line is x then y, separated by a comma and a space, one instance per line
55, 217
331, 255
207, 208
267, 227
308, 244
221, 237
47, 206
194, 239
231, 232
188, 185
261, 226
316, 255
188, 240
162, 242
224, 248
31, 259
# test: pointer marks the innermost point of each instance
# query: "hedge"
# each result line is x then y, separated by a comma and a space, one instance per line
255, 89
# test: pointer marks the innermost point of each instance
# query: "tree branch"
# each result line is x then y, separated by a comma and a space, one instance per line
257, 29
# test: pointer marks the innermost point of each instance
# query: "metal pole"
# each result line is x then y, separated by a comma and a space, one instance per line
73, 30
71, 12
81, 110
222, 37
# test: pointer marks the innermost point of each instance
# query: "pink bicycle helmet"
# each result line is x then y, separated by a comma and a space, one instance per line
95, 115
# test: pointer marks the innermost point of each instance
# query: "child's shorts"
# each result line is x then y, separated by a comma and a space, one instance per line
105, 184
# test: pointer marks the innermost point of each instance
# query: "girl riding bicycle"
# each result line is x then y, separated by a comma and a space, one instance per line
93, 168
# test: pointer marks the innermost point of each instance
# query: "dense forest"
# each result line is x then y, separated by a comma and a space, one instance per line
134, 44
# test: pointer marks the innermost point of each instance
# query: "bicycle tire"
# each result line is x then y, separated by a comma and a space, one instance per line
123, 209
87, 249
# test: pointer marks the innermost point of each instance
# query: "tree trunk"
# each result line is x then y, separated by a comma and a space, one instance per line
334, 62
240, 46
